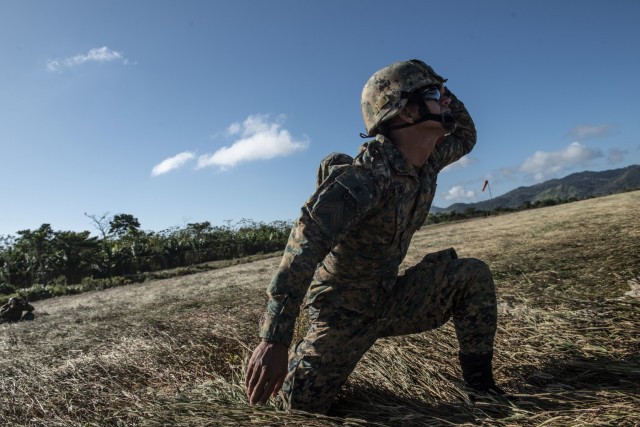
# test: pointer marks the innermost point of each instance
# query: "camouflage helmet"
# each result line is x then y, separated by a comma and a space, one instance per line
382, 94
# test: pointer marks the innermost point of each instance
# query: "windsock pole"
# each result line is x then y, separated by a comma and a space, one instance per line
487, 185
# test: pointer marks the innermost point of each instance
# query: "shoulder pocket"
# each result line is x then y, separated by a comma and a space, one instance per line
329, 164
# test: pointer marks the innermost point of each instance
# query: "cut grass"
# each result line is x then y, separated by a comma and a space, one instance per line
173, 351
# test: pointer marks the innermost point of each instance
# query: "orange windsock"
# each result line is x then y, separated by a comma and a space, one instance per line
486, 182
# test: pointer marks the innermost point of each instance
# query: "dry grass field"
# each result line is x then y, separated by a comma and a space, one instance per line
172, 352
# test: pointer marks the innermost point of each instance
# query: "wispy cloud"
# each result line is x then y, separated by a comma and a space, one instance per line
582, 132
616, 155
258, 139
543, 165
463, 162
99, 54
458, 193
172, 163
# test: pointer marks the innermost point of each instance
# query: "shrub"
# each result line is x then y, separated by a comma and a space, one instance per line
7, 288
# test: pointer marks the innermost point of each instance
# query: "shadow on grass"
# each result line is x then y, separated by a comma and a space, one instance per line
560, 385
583, 374
382, 407
573, 384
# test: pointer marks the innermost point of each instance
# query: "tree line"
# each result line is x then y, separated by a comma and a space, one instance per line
44, 262
472, 212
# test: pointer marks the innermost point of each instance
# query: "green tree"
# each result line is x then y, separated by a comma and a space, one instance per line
122, 224
78, 254
33, 256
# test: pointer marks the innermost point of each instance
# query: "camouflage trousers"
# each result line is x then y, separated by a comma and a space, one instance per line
426, 296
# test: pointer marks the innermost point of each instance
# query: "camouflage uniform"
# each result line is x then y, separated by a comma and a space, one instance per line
349, 241
12, 310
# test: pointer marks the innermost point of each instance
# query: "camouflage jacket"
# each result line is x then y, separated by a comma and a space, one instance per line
355, 230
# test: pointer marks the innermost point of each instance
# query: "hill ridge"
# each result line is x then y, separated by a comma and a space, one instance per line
579, 185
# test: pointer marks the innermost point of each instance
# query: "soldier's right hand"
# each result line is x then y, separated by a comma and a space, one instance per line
266, 371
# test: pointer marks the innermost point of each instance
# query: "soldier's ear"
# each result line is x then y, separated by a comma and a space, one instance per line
407, 115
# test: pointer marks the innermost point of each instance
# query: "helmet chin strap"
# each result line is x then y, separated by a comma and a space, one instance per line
447, 119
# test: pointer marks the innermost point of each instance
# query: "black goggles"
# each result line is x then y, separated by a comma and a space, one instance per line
432, 93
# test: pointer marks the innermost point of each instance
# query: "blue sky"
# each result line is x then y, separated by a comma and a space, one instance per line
189, 111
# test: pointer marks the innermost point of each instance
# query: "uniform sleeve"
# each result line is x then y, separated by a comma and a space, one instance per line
336, 206
461, 141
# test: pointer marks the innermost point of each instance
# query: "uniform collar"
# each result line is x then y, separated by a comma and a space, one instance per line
398, 161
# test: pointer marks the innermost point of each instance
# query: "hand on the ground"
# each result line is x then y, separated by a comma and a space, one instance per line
266, 371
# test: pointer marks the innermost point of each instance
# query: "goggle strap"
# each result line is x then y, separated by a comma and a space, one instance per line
411, 96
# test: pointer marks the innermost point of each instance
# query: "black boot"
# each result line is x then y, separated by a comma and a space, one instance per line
478, 374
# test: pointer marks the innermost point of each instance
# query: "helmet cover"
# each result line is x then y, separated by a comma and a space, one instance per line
382, 94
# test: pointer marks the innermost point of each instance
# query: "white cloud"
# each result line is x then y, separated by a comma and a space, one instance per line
582, 132
463, 162
259, 139
172, 163
100, 54
458, 193
543, 165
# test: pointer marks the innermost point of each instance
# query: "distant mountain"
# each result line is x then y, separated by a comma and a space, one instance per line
580, 185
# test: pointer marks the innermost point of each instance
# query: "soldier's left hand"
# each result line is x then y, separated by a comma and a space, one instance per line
266, 371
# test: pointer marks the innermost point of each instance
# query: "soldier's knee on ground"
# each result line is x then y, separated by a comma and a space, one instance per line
306, 389
320, 366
